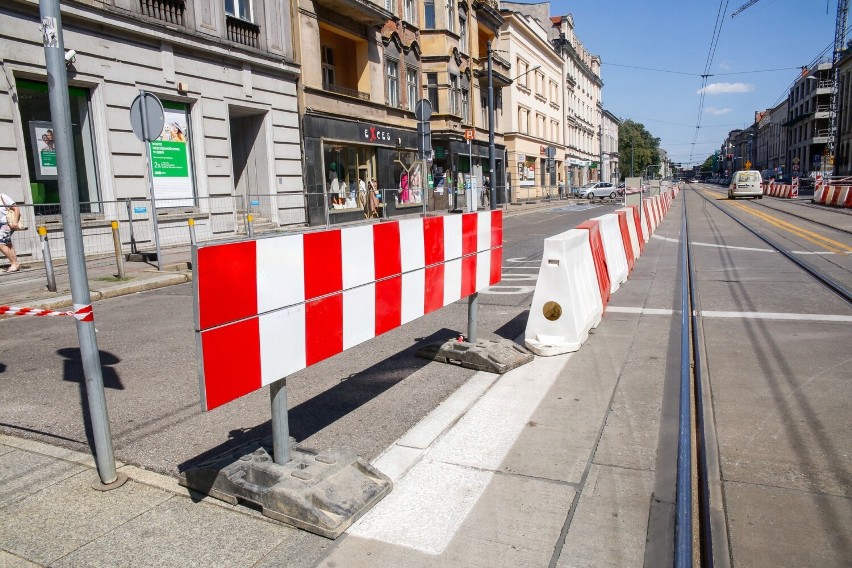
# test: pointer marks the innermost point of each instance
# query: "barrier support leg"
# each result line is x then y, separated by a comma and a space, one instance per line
48, 261
280, 427
472, 313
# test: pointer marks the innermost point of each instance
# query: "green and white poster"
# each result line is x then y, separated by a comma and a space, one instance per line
44, 149
171, 160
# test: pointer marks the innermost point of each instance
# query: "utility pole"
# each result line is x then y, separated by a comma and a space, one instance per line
69, 201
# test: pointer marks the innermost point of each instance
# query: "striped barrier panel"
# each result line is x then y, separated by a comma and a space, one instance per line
616, 256
271, 306
599, 259
641, 228
628, 235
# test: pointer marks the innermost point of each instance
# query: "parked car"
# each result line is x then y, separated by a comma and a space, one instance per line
599, 189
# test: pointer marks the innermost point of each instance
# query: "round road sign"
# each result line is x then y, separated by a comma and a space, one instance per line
154, 117
423, 110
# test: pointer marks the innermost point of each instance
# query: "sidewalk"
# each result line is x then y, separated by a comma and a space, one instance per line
28, 287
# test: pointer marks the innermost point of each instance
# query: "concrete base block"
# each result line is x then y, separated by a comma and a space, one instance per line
323, 493
490, 356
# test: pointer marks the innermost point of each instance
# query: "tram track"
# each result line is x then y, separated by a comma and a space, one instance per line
701, 537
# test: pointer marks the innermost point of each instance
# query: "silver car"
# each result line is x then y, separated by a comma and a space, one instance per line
599, 189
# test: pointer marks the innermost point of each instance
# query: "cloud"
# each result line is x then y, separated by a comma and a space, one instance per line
724, 66
720, 88
717, 111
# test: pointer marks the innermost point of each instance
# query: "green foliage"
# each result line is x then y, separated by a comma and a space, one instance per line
709, 164
636, 142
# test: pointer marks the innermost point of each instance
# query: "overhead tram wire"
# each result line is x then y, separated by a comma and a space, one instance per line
711, 53
700, 74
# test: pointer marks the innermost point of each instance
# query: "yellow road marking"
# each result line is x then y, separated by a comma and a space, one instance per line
810, 236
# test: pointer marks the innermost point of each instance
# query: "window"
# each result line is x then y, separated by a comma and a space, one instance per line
484, 107
523, 73
454, 94
411, 85
451, 15
389, 5
432, 88
465, 101
239, 9
392, 73
409, 13
429, 8
463, 32
523, 120
327, 65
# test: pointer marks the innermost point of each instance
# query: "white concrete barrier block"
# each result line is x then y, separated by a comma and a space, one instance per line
567, 300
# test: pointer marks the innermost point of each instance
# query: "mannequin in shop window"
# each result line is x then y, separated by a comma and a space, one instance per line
403, 188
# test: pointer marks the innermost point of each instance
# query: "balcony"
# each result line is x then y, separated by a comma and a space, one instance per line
488, 14
242, 32
168, 11
362, 11
345, 91
500, 69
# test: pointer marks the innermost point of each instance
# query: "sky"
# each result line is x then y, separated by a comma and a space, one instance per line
675, 39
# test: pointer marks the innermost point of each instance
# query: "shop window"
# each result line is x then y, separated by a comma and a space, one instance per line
171, 159
350, 172
34, 107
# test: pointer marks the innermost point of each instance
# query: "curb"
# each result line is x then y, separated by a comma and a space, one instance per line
112, 291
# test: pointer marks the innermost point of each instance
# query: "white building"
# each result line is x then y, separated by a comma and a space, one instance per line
609, 147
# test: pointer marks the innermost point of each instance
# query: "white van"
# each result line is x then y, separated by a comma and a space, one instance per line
746, 183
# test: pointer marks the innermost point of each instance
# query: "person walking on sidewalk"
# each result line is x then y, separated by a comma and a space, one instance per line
7, 204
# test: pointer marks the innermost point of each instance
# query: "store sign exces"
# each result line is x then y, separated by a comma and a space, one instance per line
376, 134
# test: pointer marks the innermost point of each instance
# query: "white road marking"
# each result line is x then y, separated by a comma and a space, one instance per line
777, 316
464, 446
714, 245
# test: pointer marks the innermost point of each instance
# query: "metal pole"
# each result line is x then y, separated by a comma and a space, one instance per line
192, 239
60, 112
492, 160
48, 261
471, 199
150, 166
130, 221
280, 428
249, 226
116, 243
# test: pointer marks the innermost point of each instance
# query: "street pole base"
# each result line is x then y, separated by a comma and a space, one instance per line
322, 493
484, 355
141, 257
120, 479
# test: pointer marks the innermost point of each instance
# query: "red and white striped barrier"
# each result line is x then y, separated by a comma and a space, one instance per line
616, 256
834, 195
268, 307
83, 313
783, 190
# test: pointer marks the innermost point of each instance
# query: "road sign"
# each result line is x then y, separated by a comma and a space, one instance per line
153, 116
748, 165
468, 133
423, 110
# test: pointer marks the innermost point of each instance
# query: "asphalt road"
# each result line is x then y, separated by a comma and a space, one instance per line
362, 400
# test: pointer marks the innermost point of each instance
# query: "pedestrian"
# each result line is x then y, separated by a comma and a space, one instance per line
8, 210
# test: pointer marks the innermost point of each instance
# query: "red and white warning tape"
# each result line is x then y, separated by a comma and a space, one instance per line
83, 313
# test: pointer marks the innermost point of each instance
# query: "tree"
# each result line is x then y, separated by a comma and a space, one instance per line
636, 142
709, 164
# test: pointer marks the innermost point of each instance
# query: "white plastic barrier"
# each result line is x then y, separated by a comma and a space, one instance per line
643, 223
567, 301
632, 229
616, 257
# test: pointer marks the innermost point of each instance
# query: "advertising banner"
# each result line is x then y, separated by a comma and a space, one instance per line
526, 170
44, 150
170, 161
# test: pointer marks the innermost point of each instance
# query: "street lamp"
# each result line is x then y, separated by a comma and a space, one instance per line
650, 166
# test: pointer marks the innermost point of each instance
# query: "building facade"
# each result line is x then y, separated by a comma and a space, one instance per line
610, 168
226, 77
534, 104
583, 107
808, 120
